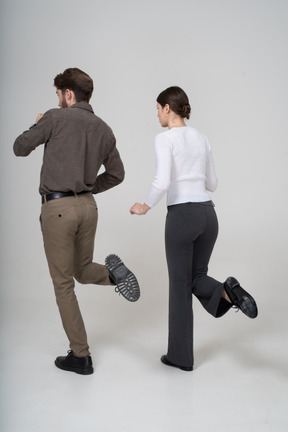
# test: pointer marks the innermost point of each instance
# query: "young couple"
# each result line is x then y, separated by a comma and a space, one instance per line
77, 143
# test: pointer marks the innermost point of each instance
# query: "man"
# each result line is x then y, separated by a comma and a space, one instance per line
77, 144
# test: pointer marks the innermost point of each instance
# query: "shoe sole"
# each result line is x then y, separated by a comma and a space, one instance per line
243, 300
127, 284
248, 306
165, 361
78, 371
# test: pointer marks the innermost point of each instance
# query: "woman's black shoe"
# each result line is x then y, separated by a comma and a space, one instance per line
168, 363
240, 298
71, 363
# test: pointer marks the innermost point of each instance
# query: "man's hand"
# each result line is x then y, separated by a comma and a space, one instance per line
139, 209
39, 116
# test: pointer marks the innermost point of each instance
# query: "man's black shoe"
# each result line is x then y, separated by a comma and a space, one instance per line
240, 298
168, 363
126, 282
71, 363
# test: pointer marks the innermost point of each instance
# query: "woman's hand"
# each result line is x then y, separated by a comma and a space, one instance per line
139, 209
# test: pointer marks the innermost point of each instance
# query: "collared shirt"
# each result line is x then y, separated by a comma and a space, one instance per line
77, 144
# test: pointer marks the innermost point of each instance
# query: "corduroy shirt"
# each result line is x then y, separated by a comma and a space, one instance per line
77, 144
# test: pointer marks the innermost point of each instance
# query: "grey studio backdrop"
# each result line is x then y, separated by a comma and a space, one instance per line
231, 59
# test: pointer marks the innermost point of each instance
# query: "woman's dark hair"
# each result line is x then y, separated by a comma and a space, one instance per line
76, 80
177, 99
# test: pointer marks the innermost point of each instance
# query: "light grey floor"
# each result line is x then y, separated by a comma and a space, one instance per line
239, 382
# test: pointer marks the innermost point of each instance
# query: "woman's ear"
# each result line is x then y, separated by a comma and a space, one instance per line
167, 109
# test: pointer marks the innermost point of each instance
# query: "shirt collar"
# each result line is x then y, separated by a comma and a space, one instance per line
83, 105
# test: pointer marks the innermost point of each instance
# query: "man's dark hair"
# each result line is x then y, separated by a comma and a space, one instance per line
76, 80
177, 99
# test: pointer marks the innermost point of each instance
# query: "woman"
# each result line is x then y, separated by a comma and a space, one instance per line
185, 171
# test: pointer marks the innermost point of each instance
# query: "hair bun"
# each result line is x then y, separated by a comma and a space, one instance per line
187, 110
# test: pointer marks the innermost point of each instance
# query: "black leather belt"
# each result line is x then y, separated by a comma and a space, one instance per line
55, 195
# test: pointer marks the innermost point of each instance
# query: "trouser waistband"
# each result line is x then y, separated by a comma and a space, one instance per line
196, 203
55, 195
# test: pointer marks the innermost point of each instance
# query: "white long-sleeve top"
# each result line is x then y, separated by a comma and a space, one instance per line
185, 167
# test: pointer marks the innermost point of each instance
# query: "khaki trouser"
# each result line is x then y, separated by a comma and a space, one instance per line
68, 226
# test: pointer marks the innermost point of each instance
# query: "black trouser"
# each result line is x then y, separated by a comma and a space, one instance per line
190, 234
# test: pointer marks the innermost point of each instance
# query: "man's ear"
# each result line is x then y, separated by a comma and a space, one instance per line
70, 97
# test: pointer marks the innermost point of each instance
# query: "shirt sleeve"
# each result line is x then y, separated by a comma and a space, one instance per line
162, 180
32, 138
211, 182
114, 172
